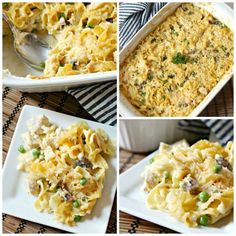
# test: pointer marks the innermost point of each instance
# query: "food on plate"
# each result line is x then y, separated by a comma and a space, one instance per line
65, 167
176, 66
192, 183
85, 34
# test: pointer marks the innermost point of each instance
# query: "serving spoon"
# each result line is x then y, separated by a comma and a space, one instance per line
32, 50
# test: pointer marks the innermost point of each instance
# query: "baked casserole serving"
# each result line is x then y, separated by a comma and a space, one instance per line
174, 68
84, 33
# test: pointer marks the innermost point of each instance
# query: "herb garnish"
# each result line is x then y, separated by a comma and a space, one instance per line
179, 59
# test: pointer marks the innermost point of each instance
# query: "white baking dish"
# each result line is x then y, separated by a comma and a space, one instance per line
219, 10
17, 78
55, 84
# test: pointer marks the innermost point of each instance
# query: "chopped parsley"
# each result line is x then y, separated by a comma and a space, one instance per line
179, 59
163, 97
61, 15
172, 29
224, 48
193, 73
143, 94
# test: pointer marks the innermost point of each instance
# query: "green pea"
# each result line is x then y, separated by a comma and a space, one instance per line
83, 181
166, 174
21, 149
151, 160
76, 204
90, 25
77, 218
42, 65
203, 196
217, 168
203, 220
36, 153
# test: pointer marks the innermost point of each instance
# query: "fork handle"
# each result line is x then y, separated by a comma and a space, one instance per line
14, 30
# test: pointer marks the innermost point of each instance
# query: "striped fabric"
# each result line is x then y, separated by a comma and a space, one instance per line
223, 129
133, 16
99, 100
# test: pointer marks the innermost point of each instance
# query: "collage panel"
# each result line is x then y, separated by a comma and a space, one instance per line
59, 117
176, 176
117, 117
176, 59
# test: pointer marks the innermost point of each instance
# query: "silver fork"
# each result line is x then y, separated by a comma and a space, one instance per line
32, 50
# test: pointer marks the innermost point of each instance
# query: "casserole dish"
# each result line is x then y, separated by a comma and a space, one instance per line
142, 86
70, 60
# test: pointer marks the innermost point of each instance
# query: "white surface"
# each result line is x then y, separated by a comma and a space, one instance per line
220, 10
132, 201
16, 200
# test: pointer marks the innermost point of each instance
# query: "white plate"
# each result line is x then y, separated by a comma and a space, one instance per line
16, 200
132, 201
220, 10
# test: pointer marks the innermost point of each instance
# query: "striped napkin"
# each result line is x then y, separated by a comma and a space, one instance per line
133, 16
99, 100
223, 129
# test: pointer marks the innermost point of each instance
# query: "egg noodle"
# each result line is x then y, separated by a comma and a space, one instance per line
85, 34
176, 66
65, 167
193, 184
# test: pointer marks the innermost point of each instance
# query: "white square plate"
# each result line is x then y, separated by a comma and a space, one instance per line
16, 200
132, 201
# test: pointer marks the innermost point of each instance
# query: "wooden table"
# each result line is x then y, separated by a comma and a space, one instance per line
13, 101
